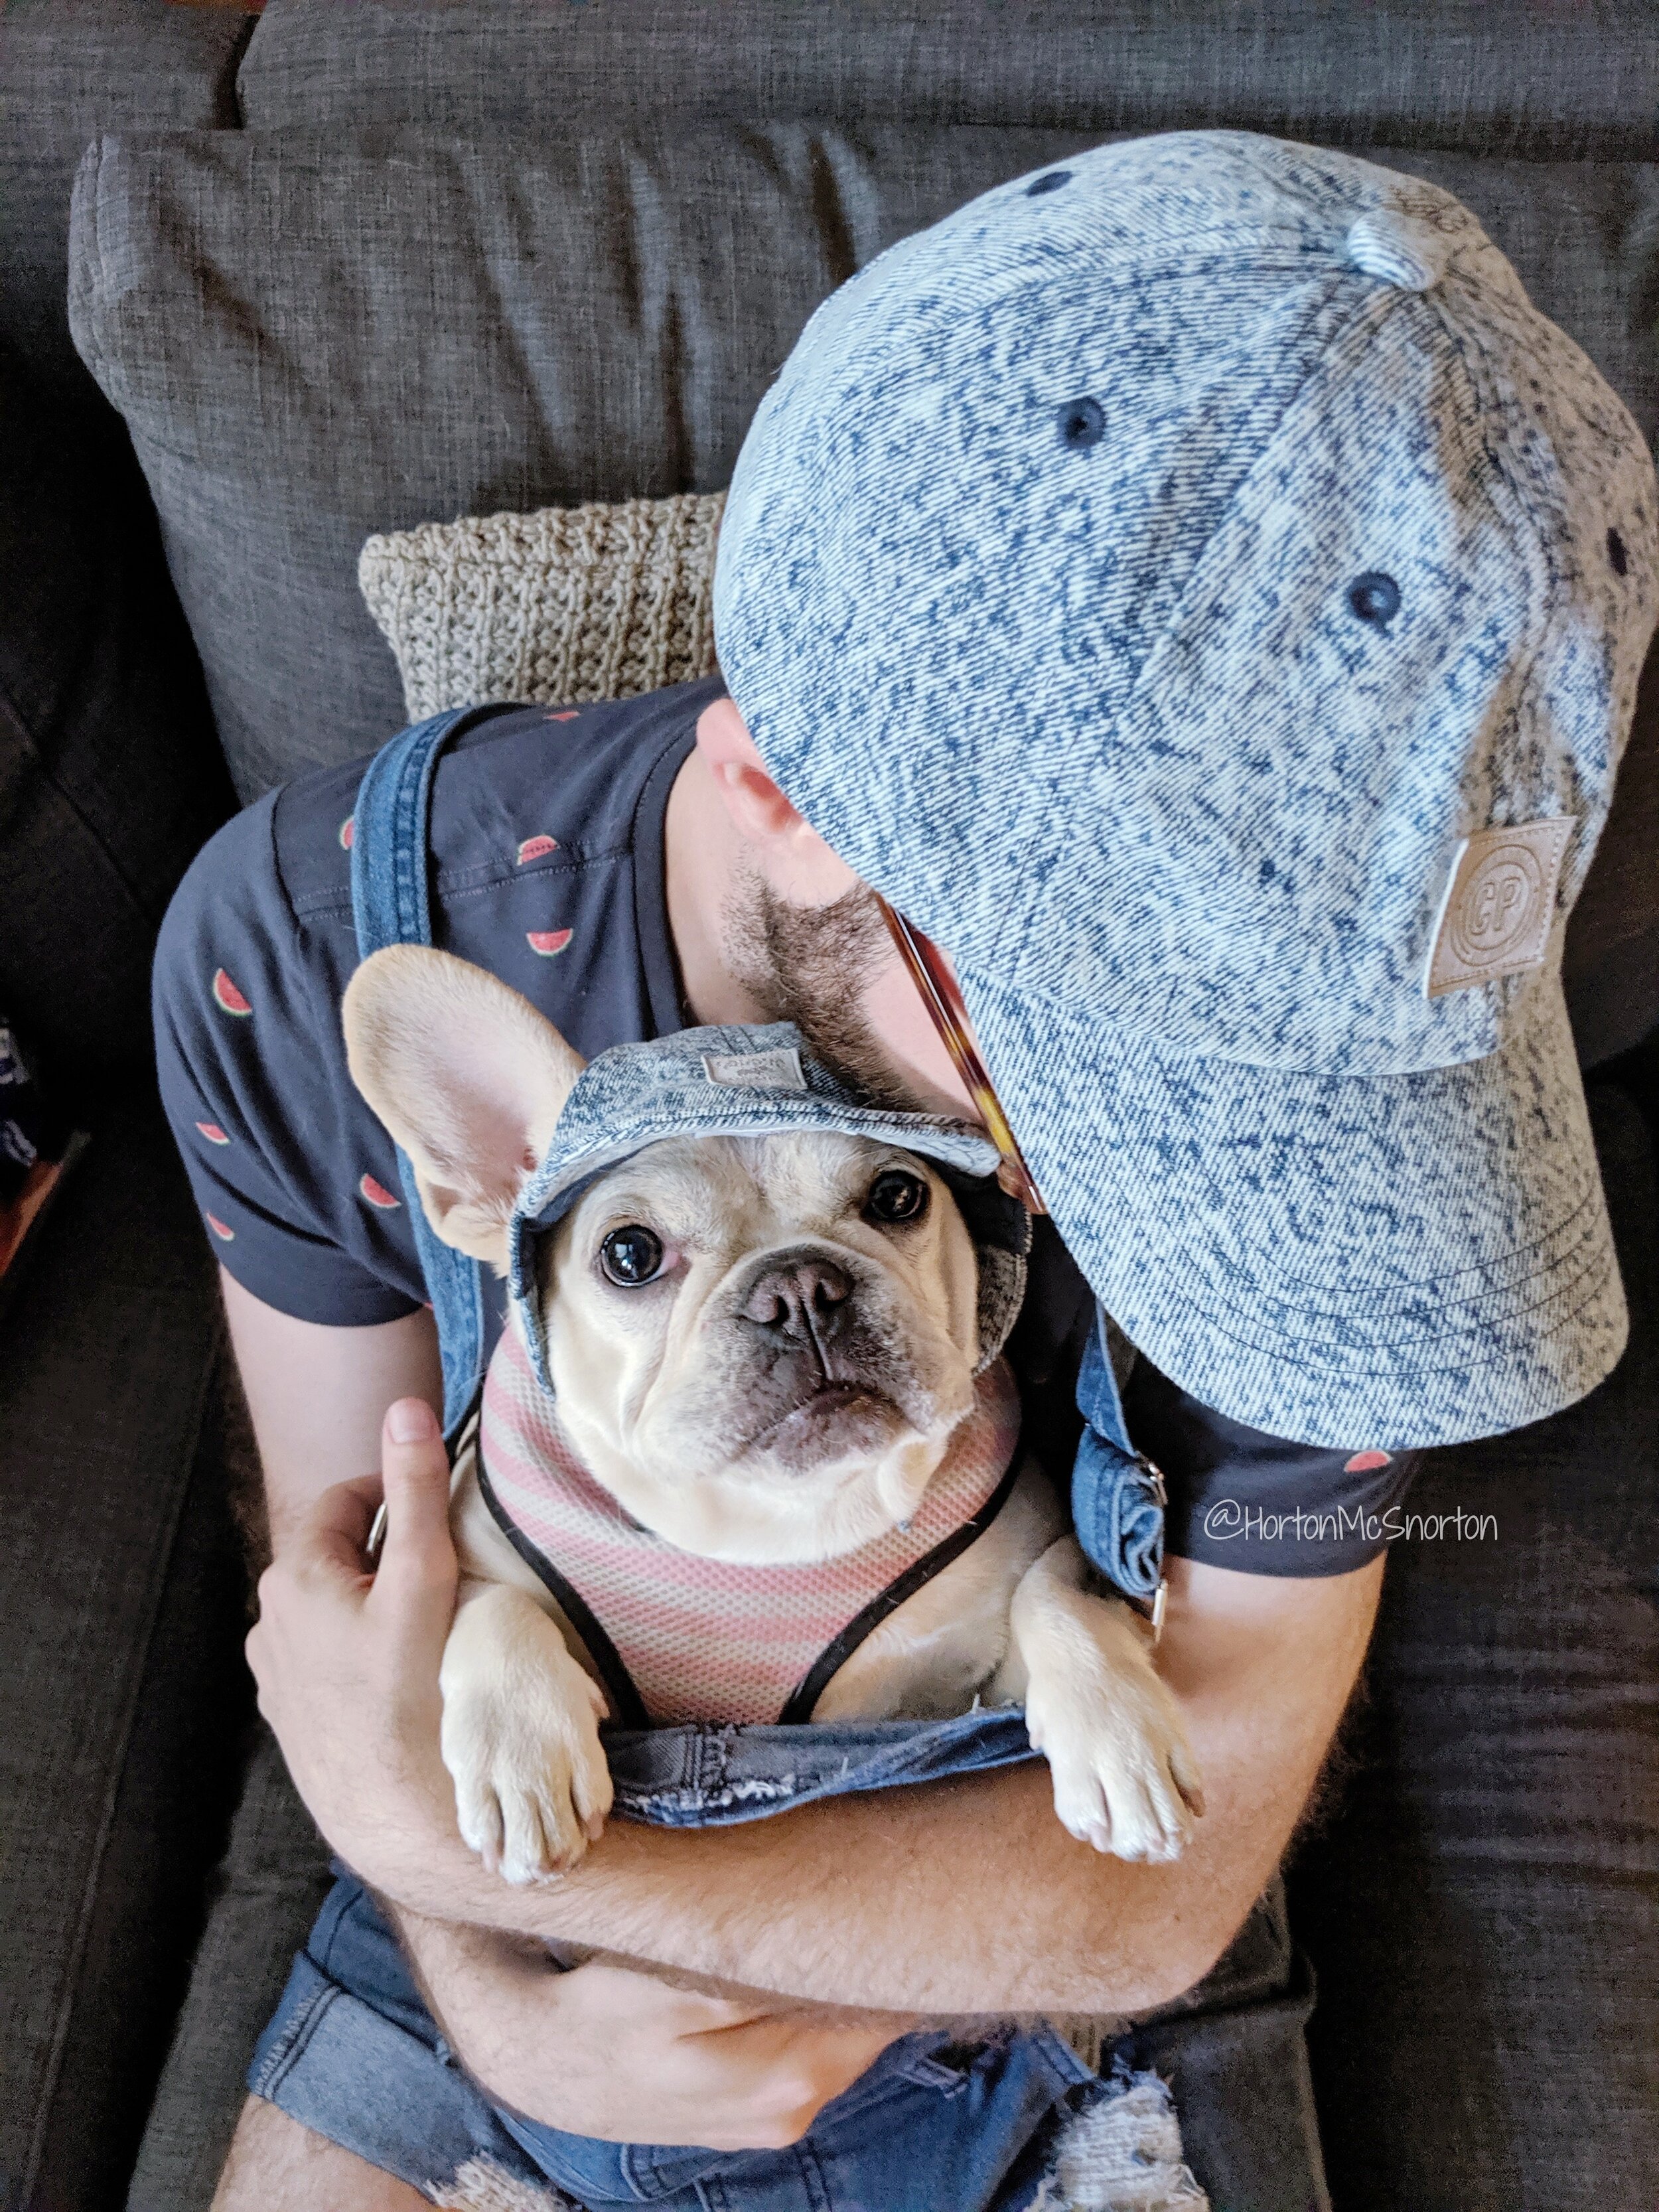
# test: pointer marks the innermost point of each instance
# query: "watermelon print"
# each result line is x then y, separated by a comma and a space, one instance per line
225, 1236
537, 848
568, 715
213, 1132
547, 942
1365, 1462
348, 832
377, 1195
228, 998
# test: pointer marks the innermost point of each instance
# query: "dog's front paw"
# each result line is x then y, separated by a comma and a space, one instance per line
1125, 1777
520, 1739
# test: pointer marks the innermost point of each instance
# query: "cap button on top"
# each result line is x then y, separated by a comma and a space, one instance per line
1393, 246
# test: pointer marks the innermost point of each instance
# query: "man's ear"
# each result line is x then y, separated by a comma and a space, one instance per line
788, 851
466, 1075
758, 809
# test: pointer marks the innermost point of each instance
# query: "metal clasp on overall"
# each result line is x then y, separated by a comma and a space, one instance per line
1154, 1611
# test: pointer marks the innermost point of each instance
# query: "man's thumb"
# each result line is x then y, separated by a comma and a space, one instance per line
415, 1470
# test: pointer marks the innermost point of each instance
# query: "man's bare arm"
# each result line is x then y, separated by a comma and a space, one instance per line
317, 1396
610, 2053
968, 1895
961, 1896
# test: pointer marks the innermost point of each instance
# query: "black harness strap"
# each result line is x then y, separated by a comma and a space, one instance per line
626, 1703
627, 1706
811, 1687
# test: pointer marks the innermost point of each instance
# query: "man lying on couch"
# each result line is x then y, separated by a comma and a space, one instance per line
1195, 588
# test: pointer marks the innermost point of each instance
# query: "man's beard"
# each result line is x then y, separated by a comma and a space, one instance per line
811, 965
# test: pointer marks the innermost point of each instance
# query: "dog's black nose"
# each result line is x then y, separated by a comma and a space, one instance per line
800, 1299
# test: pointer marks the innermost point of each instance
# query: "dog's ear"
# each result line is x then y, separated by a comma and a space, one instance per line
466, 1075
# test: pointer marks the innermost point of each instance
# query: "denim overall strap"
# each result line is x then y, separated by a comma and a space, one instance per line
390, 906
1117, 1494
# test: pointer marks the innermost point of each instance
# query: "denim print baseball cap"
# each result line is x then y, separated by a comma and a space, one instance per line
1196, 586
737, 1080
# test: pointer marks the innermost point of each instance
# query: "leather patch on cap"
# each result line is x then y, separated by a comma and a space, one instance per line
1499, 904
777, 1070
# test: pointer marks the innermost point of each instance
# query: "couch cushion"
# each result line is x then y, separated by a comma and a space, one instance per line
313, 338
1611, 965
1453, 73
316, 336
70, 69
122, 1693
269, 1889
109, 776
1482, 1911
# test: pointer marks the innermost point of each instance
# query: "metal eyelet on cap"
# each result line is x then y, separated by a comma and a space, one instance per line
1375, 597
1049, 183
1081, 422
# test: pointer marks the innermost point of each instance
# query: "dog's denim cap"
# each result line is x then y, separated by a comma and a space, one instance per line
1149, 578
733, 1081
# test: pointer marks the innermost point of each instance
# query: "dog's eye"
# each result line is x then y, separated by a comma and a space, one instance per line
631, 1256
897, 1196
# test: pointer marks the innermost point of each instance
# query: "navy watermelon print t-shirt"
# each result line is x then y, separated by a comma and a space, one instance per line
547, 868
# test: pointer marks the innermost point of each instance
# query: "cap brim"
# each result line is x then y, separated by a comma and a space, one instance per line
1378, 1261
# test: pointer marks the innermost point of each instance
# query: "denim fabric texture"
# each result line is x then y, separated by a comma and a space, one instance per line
1117, 1494
353, 2054
696, 1776
391, 905
1148, 577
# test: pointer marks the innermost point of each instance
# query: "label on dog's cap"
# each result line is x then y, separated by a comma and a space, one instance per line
1499, 904
780, 1070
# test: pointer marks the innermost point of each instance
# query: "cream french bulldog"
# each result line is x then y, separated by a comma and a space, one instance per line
763, 1350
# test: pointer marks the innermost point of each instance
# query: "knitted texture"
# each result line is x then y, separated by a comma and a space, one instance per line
564, 605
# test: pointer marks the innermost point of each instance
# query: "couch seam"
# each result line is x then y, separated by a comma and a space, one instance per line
76, 1959
228, 89
11, 712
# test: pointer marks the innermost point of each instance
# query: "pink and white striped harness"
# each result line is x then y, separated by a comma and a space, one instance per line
703, 1639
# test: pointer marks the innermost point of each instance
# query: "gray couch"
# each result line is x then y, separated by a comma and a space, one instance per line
266, 287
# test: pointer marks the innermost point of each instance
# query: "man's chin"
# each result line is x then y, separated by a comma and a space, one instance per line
811, 965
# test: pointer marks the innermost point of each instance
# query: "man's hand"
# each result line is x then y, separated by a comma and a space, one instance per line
608, 2051
347, 1664
960, 1897
347, 1661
